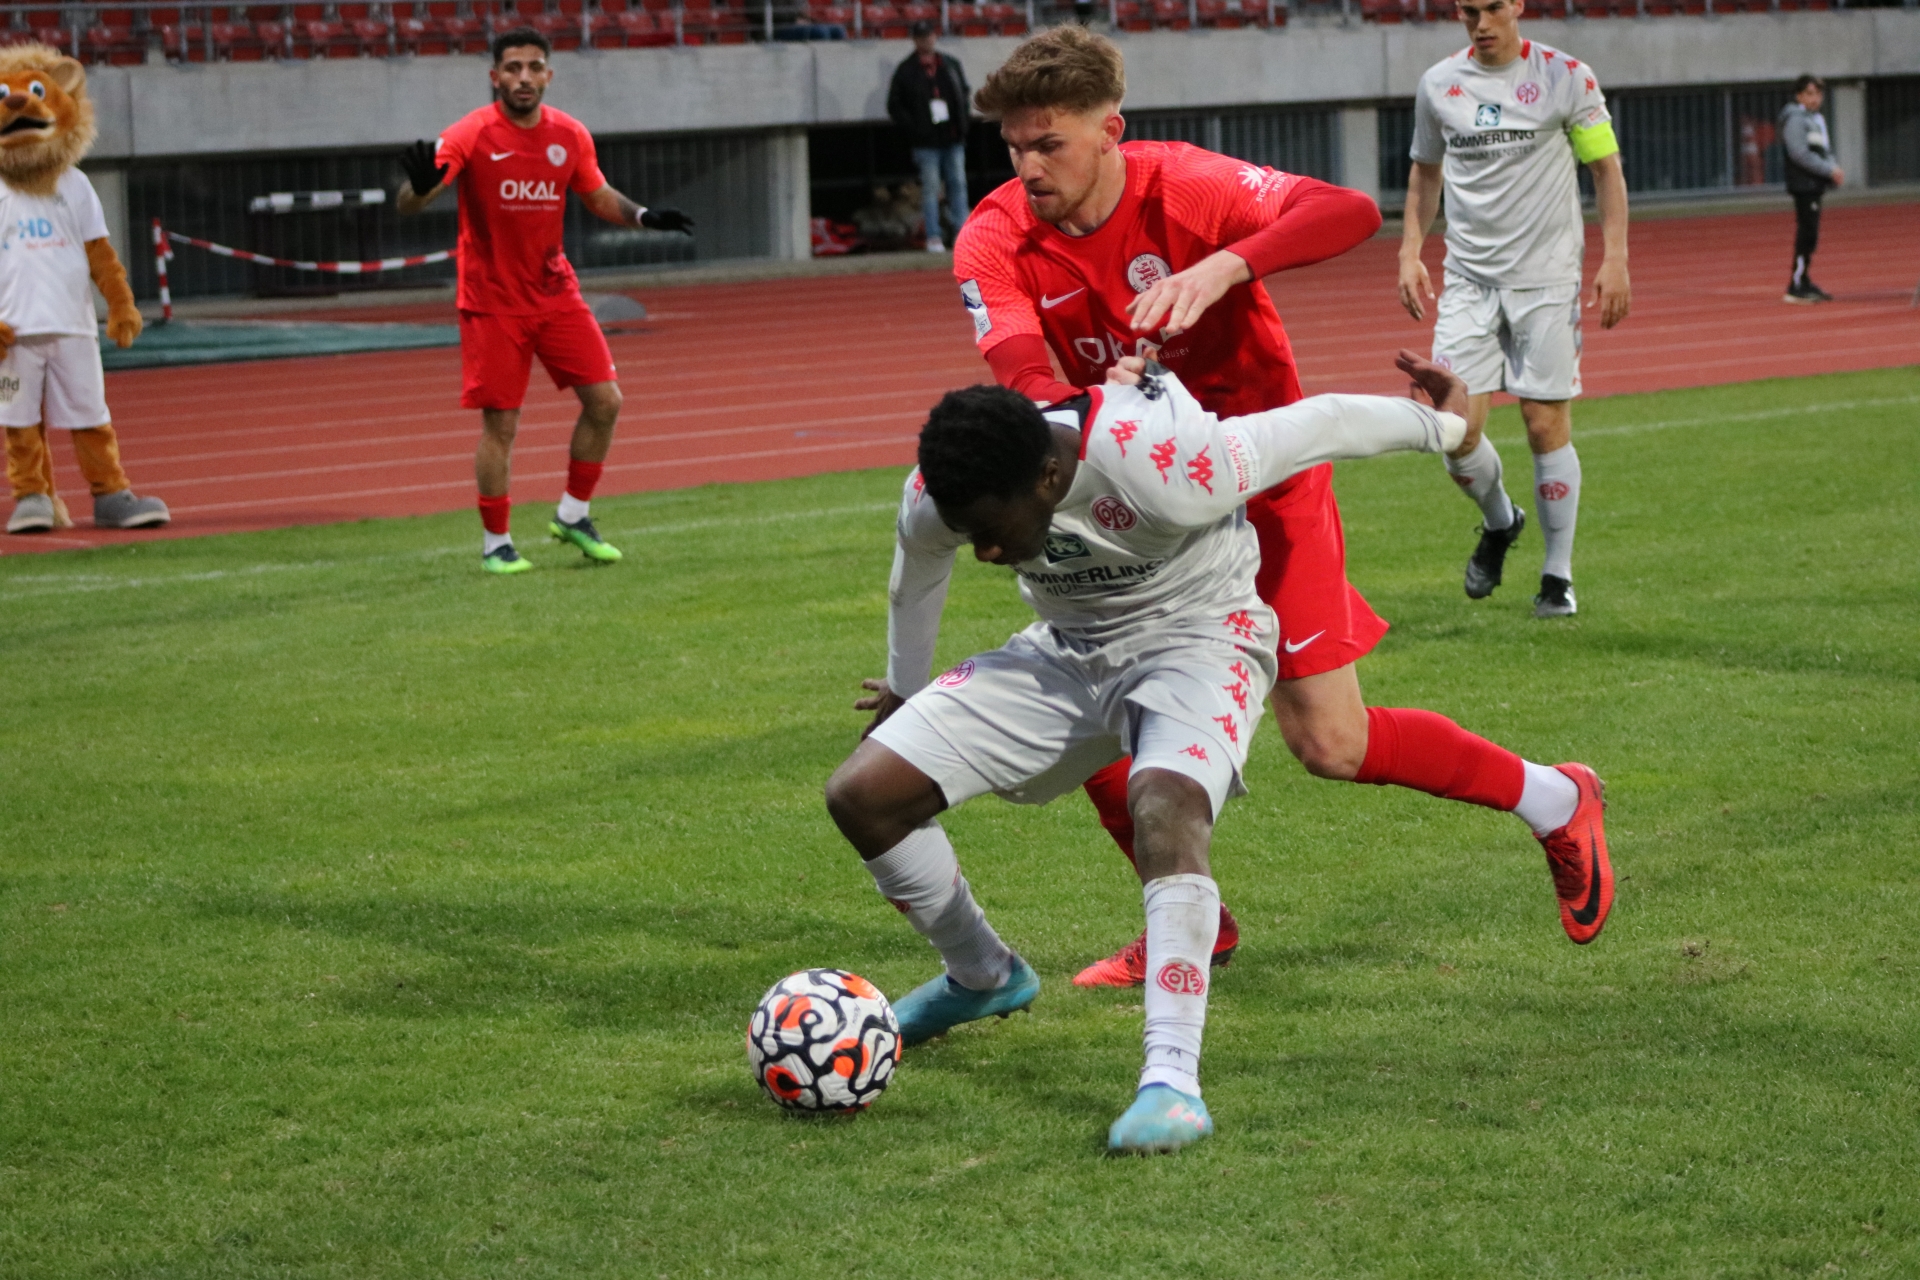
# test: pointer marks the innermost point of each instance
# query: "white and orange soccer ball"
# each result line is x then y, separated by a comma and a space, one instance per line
823, 1040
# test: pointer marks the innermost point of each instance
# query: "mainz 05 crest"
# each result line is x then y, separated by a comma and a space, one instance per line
823, 1040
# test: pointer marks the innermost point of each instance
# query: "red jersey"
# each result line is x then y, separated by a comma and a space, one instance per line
513, 186
1020, 276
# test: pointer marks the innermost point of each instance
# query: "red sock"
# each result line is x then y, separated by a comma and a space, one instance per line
1428, 752
1108, 791
493, 513
582, 477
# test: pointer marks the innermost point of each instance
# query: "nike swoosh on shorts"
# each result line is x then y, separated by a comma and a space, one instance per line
1291, 647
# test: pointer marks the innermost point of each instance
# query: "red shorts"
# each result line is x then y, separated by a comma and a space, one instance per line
497, 351
1324, 623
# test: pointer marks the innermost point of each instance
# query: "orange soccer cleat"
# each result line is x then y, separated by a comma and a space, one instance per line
1577, 856
1127, 967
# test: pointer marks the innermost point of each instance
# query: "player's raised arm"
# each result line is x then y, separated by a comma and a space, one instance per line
1203, 467
1270, 221
427, 177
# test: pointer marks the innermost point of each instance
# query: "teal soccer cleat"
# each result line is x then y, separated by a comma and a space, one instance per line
935, 1008
1161, 1119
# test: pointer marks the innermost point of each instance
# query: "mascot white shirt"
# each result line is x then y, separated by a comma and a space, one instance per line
46, 285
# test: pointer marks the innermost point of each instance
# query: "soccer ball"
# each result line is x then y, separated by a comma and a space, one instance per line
823, 1040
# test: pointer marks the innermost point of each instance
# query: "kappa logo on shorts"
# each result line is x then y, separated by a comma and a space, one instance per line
1230, 727
1527, 94
1241, 623
556, 155
1111, 513
1065, 546
1181, 978
1487, 117
1197, 751
1146, 271
1554, 490
956, 677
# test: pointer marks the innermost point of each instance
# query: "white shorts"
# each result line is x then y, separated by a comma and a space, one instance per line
1038, 716
1525, 342
53, 379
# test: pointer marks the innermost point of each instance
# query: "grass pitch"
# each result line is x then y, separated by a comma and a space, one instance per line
362, 915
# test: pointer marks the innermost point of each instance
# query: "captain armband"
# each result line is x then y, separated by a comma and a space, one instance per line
1594, 142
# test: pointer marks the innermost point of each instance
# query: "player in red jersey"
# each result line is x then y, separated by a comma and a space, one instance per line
514, 161
1101, 250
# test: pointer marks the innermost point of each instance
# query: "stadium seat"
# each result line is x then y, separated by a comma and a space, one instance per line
1175, 15
184, 40
921, 11
1132, 15
1007, 19
562, 30
883, 21
113, 40
967, 20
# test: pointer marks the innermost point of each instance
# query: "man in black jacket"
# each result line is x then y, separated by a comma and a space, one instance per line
1810, 171
928, 101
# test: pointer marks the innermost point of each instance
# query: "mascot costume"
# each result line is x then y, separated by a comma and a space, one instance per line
53, 249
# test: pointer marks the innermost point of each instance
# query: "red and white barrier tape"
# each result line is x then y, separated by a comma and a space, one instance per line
162, 251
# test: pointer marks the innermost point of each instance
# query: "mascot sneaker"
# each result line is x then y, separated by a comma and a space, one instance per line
1577, 857
1161, 1119
934, 1008
504, 559
1127, 967
32, 514
127, 510
583, 535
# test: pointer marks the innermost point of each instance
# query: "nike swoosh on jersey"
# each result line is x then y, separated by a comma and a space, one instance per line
498, 155
1048, 304
1291, 647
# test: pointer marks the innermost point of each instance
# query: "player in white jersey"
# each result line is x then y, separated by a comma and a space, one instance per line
1503, 126
1121, 512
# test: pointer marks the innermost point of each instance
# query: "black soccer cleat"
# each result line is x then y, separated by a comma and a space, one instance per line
1555, 599
1490, 557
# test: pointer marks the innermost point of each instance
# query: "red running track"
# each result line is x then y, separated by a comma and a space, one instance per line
783, 378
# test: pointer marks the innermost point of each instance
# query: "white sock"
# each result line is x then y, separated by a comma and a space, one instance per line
1183, 920
491, 542
572, 510
922, 879
1548, 799
1556, 482
1479, 477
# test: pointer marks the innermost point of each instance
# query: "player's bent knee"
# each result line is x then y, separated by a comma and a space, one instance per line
876, 798
1172, 823
1333, 755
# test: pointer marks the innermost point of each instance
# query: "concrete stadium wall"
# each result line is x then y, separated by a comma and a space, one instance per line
238, 108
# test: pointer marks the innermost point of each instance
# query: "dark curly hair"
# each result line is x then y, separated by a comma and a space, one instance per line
982, 442
519, 37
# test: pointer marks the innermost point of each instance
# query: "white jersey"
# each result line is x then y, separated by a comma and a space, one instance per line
1506, 141
46, 287
1152, 541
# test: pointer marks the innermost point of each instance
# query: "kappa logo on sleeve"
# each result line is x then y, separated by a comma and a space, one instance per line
1200, 470
1162, 456
976, 308
1122, 432
1111, 513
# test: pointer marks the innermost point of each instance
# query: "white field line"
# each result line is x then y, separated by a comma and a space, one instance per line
1758, 415
57, 584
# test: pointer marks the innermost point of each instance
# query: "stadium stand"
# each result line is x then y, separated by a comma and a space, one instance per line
127, 33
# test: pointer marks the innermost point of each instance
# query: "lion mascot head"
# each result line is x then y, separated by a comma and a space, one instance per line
46, 118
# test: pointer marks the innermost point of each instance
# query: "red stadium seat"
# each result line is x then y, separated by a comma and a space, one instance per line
884, 21
116, 43
1173, 14
1007, 19
967, 20
921, 11
562, 30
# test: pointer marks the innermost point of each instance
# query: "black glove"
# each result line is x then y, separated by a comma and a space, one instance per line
664, 219
423, 170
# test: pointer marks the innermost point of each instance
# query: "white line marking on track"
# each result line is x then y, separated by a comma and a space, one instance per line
56, 584
1758, 415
